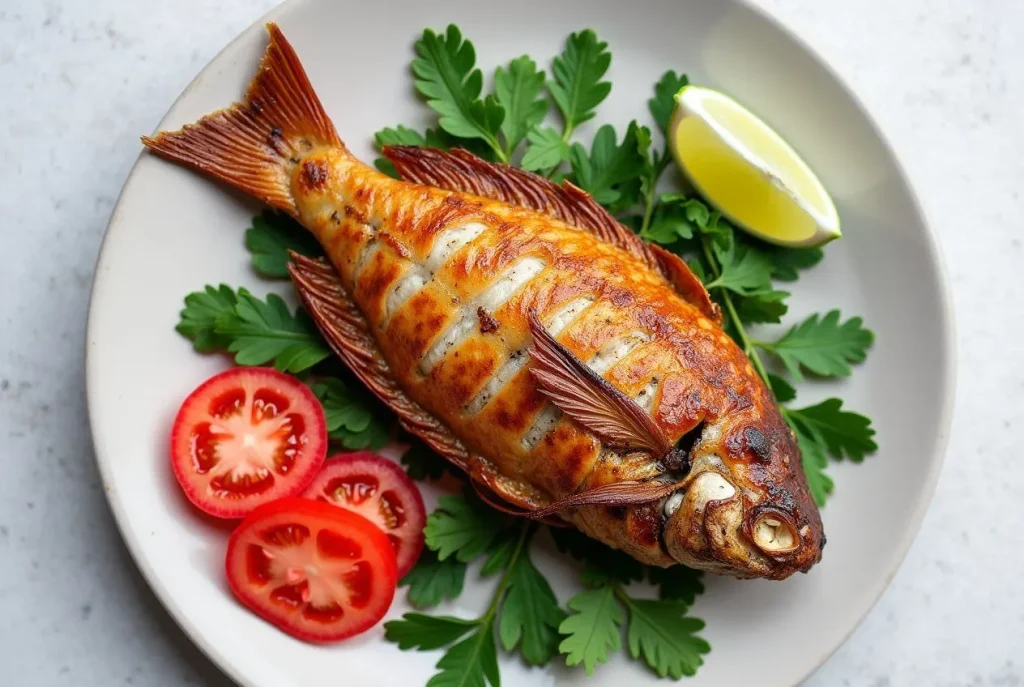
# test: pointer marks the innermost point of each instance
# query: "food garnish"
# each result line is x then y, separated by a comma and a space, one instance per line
380, 491
748, 171
246, 437
316, 571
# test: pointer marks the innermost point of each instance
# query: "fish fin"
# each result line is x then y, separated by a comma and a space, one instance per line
345, 330
461, 171
254, 145
686, 282
498, 503
588, 398
626, 493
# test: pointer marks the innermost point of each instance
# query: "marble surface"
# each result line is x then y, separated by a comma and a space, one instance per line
79, 79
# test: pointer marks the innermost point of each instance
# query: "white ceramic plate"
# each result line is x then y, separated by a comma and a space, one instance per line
173, 232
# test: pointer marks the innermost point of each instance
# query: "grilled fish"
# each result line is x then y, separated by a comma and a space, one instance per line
574, 372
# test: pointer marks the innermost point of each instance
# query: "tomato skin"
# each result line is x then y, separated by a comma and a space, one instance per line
293, 617
378, 489
298, 448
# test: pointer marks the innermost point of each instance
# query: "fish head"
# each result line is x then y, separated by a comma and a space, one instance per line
744, 516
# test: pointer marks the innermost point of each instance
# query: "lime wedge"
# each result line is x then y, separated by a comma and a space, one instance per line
745, 169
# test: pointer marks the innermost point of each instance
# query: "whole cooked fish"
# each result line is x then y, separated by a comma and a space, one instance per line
571, 370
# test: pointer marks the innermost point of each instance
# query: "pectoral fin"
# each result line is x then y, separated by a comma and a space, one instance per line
615, 494
589, 399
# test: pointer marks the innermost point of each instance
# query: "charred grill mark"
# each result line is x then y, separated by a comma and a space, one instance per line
497, 382
568, 313
646, 395
378, 275
394, 244
354, 214
314, 174
366, 255
615, 350
758, 443
449, 241
644, 524
410, 283
449, 211
547, 419
487, 322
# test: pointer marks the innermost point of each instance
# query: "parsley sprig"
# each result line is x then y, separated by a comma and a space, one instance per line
523, 611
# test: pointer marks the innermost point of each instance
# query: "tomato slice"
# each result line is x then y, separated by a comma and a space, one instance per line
379, 490
318, 572
245, 437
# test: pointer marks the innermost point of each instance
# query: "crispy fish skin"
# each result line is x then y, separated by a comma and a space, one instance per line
444, 284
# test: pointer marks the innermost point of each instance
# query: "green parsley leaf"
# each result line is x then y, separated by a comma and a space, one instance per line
461, 528
530, 615
813, 459
577, 88
473, 662
270, 238
822, 345
784, 391
744, 271
546, 149
762, 307
664, 101
353, 417
426, 632
786, 261
610, 166
661, 633
518, 90
845, 434
398, 136
499, 554
263, 331
674, 218
432, 580
678, 583
199, 318
603, 562
447, 77
593, 629
423, 462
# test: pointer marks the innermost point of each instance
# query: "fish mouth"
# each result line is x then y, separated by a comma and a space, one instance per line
712, 524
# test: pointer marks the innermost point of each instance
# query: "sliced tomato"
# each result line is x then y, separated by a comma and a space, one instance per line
379, 490
318, 572
245, 437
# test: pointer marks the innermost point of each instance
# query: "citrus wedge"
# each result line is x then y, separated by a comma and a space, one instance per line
745, 169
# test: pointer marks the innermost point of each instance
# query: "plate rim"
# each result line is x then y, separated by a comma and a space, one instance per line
933, 248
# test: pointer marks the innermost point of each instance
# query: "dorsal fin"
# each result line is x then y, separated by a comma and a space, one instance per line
686, 282
461, 171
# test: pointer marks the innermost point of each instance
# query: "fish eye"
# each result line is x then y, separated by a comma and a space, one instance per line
773, 533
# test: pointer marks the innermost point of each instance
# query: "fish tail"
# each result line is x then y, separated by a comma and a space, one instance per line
255, 145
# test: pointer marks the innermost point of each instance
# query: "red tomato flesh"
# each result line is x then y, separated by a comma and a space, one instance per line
245, 437
317, 572
379, 490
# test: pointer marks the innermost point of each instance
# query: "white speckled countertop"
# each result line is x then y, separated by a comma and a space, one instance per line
79, 80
